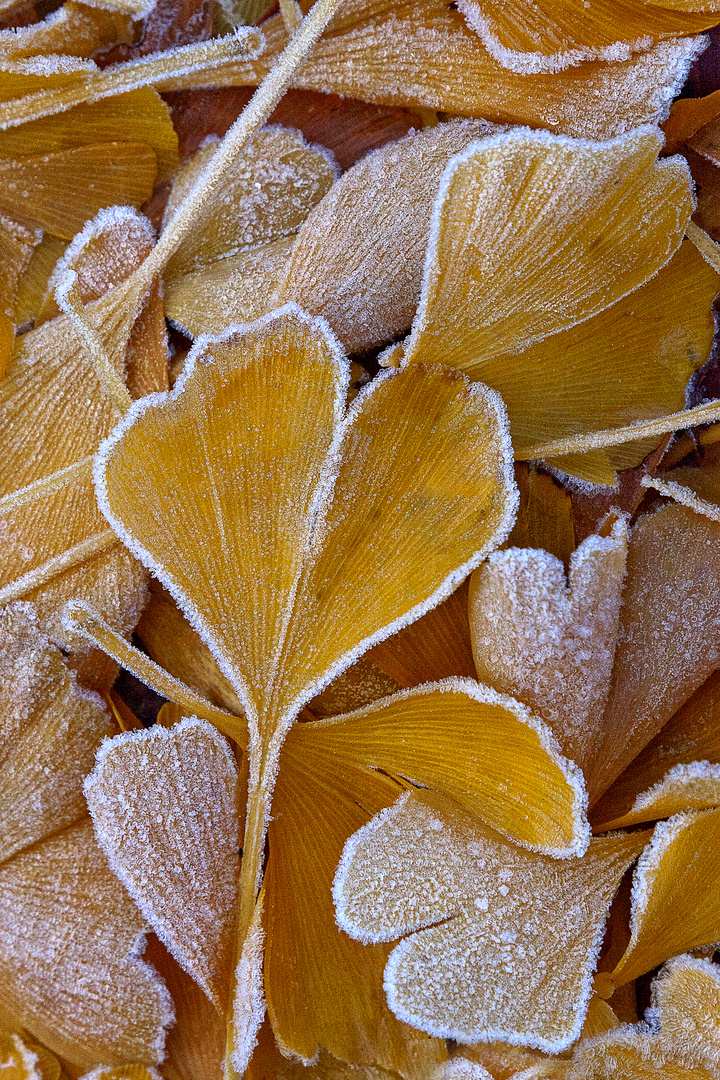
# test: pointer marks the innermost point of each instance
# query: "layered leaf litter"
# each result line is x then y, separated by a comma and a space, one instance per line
360, 520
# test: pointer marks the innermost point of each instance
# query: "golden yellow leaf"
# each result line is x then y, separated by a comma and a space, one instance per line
164, 804
20, 1060
630, 362
358, 258
548, 640
695, 786
545, 518
529, 36
511, 936
560, 217
75, 29
675, 894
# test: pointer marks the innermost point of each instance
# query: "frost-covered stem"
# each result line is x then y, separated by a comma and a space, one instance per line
262, 103
80, 619
74, 556
599, 440
69, 301
46, 485
683, 495
134, 75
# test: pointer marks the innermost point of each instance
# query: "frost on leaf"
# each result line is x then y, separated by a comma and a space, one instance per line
358, 258
695, 786
21, 1059
264, 501
511, 937
669, 639
527, 36
548, 641
70, 937
675, 893
410, 54
630, 362
50, 374
164, 804
558, 215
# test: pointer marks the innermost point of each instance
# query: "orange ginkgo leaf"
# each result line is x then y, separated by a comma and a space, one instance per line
511, 937
22, 1059
70, 972
534, 35
75, 29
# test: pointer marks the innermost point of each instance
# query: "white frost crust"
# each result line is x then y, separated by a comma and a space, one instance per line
494, 407
324, 151
679, 774
488, 696
249, 1000
155, 979
460, 1068
533, 63
29, 1060
527, 135
111, 746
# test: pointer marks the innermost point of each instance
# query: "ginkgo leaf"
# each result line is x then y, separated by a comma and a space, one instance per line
527, 36
140, 116
237, 289
558, 215
695, 786
669, 635
49, 732
680, 1039
550, 641
675, 894
122, 1072
405, 54
358, 258
16, 247
70, 938
267, 194
627, 363
33, 285
693, 734
339, 1003
512, 936
60, 191
479, 748
164, 804
309, 579
545, 517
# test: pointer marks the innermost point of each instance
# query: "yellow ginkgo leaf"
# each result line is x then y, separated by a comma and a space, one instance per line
695, 786
358, 258
140, 116
59, 192
122, 1072
512, 936
426, 55
668, 642
533, 233
164, 804
675, 894
530, 36
16, 248
545, 518
70, 937
548, 640
267, 194
630, 362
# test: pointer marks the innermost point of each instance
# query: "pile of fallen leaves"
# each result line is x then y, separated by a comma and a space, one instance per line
360, 519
